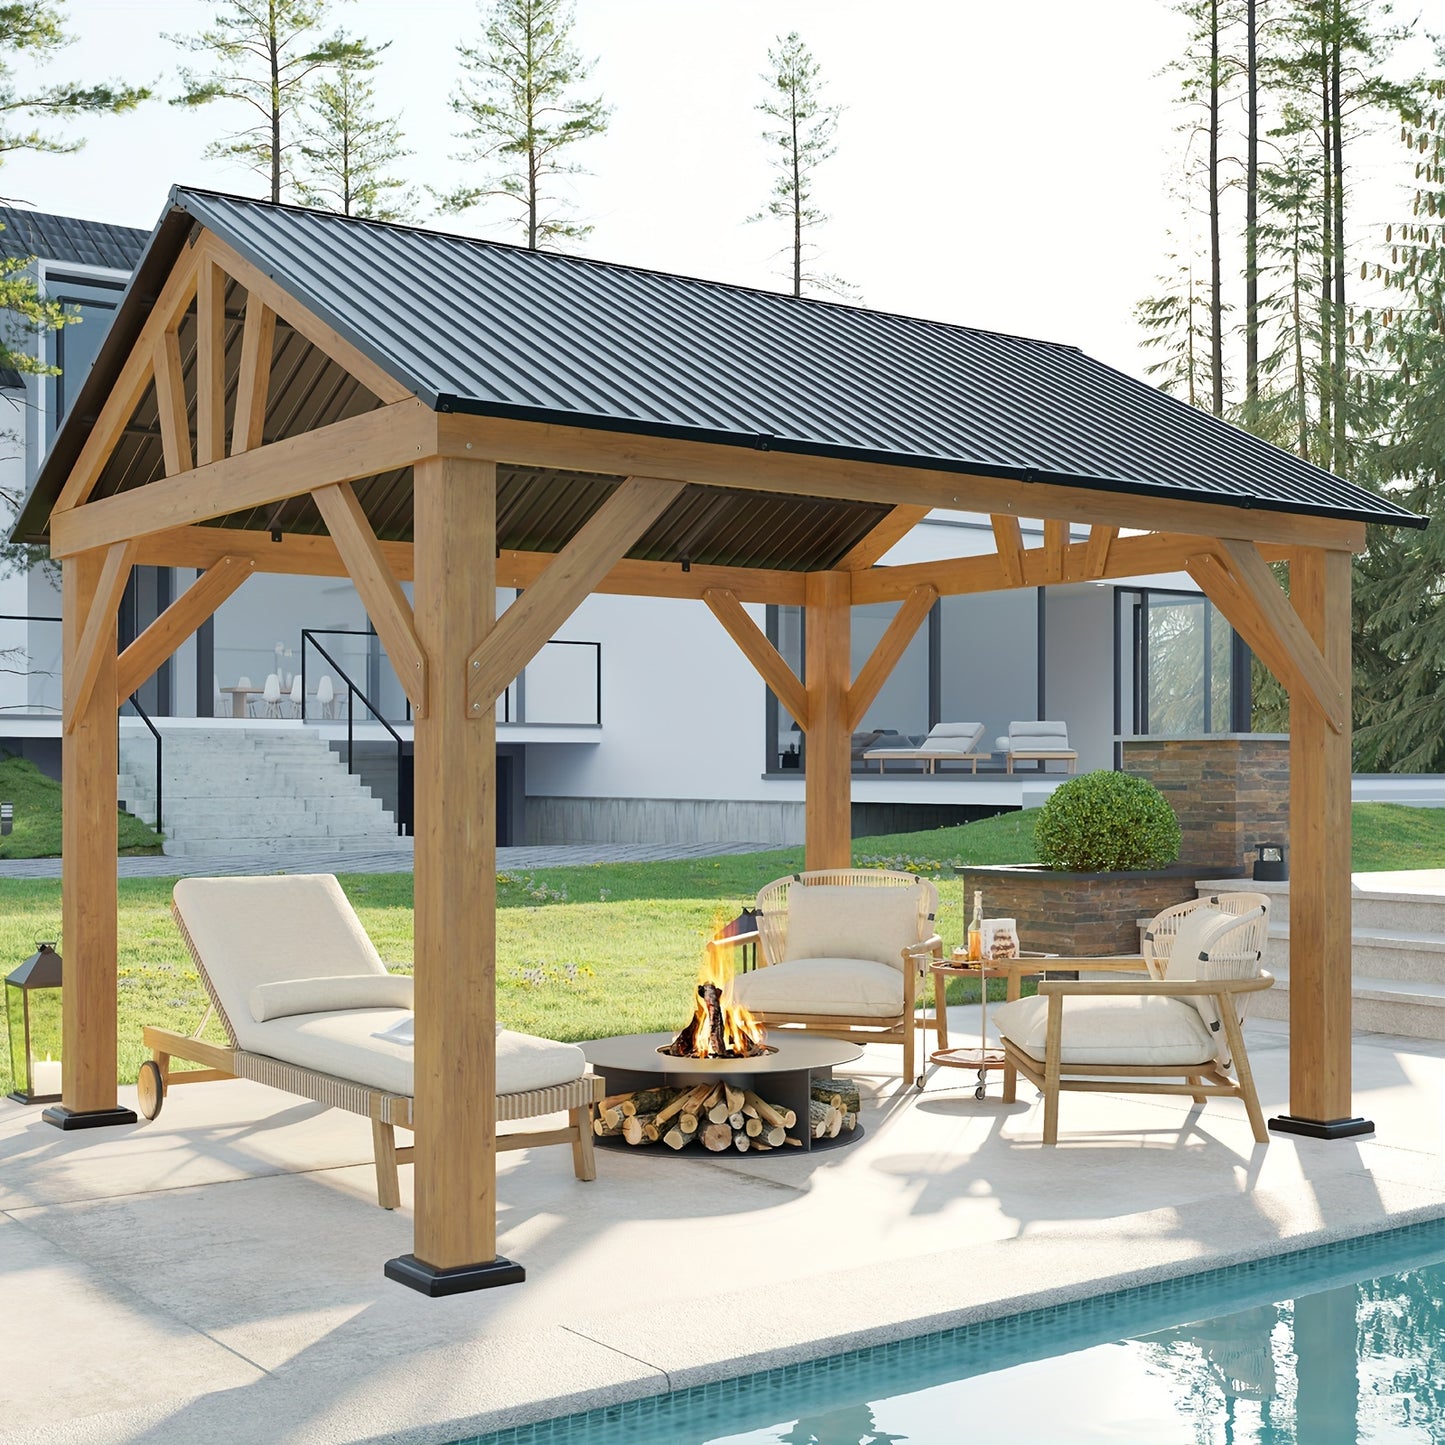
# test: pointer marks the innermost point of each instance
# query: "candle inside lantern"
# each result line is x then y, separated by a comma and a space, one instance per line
47, 1076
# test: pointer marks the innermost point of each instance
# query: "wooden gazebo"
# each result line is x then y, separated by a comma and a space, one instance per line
289, 391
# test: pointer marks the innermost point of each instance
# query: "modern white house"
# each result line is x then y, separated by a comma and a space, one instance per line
640, 722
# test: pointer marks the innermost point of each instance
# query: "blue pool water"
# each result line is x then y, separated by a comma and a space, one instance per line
1329, 1346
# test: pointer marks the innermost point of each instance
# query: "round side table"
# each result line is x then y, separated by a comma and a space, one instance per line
981, 1058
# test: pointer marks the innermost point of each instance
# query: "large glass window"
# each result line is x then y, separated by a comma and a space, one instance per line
1183, 654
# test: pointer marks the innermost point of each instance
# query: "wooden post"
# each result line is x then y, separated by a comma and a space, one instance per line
88, 869
1320, 882
828, 784
455, 892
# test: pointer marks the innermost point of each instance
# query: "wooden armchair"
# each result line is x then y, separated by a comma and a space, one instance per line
840, 953
1139, 1035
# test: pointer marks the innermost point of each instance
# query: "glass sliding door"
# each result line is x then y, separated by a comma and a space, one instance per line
1182, 664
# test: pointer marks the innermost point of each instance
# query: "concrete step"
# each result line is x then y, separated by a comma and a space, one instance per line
1392, 903
194, 822
243, 847
1379, 953
1379, 1005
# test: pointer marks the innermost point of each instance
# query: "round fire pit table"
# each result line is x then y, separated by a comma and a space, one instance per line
784, 1077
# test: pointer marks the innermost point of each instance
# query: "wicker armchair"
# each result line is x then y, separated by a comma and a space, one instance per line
1139, 1035
840, 953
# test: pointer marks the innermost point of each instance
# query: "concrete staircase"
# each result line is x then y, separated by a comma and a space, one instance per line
1398, 956
250, 790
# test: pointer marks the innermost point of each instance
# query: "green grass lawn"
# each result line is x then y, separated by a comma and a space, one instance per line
600, 949
37, 815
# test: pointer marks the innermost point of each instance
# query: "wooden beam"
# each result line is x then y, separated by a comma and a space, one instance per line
754, 644
95, 650
379, 382
1320, 946
253, 385
175, 424
828, 780
1241, 585
210, 363
1008, 538
386, 604
573, 574
891, 646
88, 838
543, 444
198, 602
1139, 556
456, 873
361, 446
130, 384
888, 533
633, 578
1096, 552
1056, 540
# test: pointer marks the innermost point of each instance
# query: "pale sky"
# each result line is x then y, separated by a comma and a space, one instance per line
1001, 165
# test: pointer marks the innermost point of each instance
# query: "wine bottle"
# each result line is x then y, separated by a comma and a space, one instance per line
975, 929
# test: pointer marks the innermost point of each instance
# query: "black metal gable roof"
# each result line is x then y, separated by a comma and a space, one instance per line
491, 329
70, 240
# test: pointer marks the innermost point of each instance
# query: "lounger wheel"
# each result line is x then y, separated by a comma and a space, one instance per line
980, 1092
150, 1088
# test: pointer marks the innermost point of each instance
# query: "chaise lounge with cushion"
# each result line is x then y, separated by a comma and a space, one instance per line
956, 741
308, 1006
1040, 742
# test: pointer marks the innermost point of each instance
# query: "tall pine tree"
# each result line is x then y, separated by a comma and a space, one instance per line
262, 56
521, 115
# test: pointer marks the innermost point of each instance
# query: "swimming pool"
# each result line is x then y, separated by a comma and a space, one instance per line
1327, 1346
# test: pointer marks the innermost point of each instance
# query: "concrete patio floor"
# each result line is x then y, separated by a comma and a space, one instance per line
216, 1275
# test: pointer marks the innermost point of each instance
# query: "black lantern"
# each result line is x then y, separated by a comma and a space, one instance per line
746, 922
1269, 863
32, 1006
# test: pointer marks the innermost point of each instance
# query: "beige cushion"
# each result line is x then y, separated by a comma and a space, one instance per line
252, 931
1139, 1030
348, 1046
322, 995
1185, 965
831, 920
822, 986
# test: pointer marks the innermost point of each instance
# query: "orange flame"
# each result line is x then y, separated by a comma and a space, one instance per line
742, 1035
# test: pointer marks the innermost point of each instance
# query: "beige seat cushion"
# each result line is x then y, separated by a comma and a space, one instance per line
253, 931
1142, 1029
348, 1045
839, 986
828, 921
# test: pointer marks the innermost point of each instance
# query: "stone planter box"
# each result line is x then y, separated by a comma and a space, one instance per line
1087, 915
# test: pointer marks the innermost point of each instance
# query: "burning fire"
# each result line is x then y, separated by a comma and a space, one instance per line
719, 1028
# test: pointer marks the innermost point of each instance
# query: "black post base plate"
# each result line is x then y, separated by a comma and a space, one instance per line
64, 1118
1321, 1129
407, 1269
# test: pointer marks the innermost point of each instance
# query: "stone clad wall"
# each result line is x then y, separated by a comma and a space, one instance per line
1229, 792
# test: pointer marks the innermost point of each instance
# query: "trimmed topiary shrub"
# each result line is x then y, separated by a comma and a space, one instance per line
1106, 823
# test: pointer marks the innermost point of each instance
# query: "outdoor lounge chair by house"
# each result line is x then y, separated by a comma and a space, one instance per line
1138, 1035
955, 740
309, 1007
1037, 741
840, 952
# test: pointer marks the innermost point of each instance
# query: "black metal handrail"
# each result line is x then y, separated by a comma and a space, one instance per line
352, 691
160, 751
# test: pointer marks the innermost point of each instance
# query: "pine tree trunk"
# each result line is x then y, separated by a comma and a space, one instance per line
1216, 279
1340, 380
1251, 212
797, 206
274, 48
1327, 260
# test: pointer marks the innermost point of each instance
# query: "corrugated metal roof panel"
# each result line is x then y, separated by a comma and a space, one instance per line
500, 330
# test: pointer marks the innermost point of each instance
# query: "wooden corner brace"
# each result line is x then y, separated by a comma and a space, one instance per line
81, 671
570, 577
1238, 581
891, 646
753, 641
198, 602
386, 604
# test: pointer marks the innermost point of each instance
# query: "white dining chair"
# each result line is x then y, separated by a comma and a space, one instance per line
271, 695
250, 703
326, 696
298, 698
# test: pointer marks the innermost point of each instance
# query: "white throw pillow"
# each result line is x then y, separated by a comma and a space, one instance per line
1140, 1029
329, 995
830, 920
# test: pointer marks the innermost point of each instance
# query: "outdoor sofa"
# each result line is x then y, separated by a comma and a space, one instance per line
308, 1006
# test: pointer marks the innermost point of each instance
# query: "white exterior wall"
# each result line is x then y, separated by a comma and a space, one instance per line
1079, 669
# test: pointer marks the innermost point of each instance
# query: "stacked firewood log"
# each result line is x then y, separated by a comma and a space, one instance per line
719, 1117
